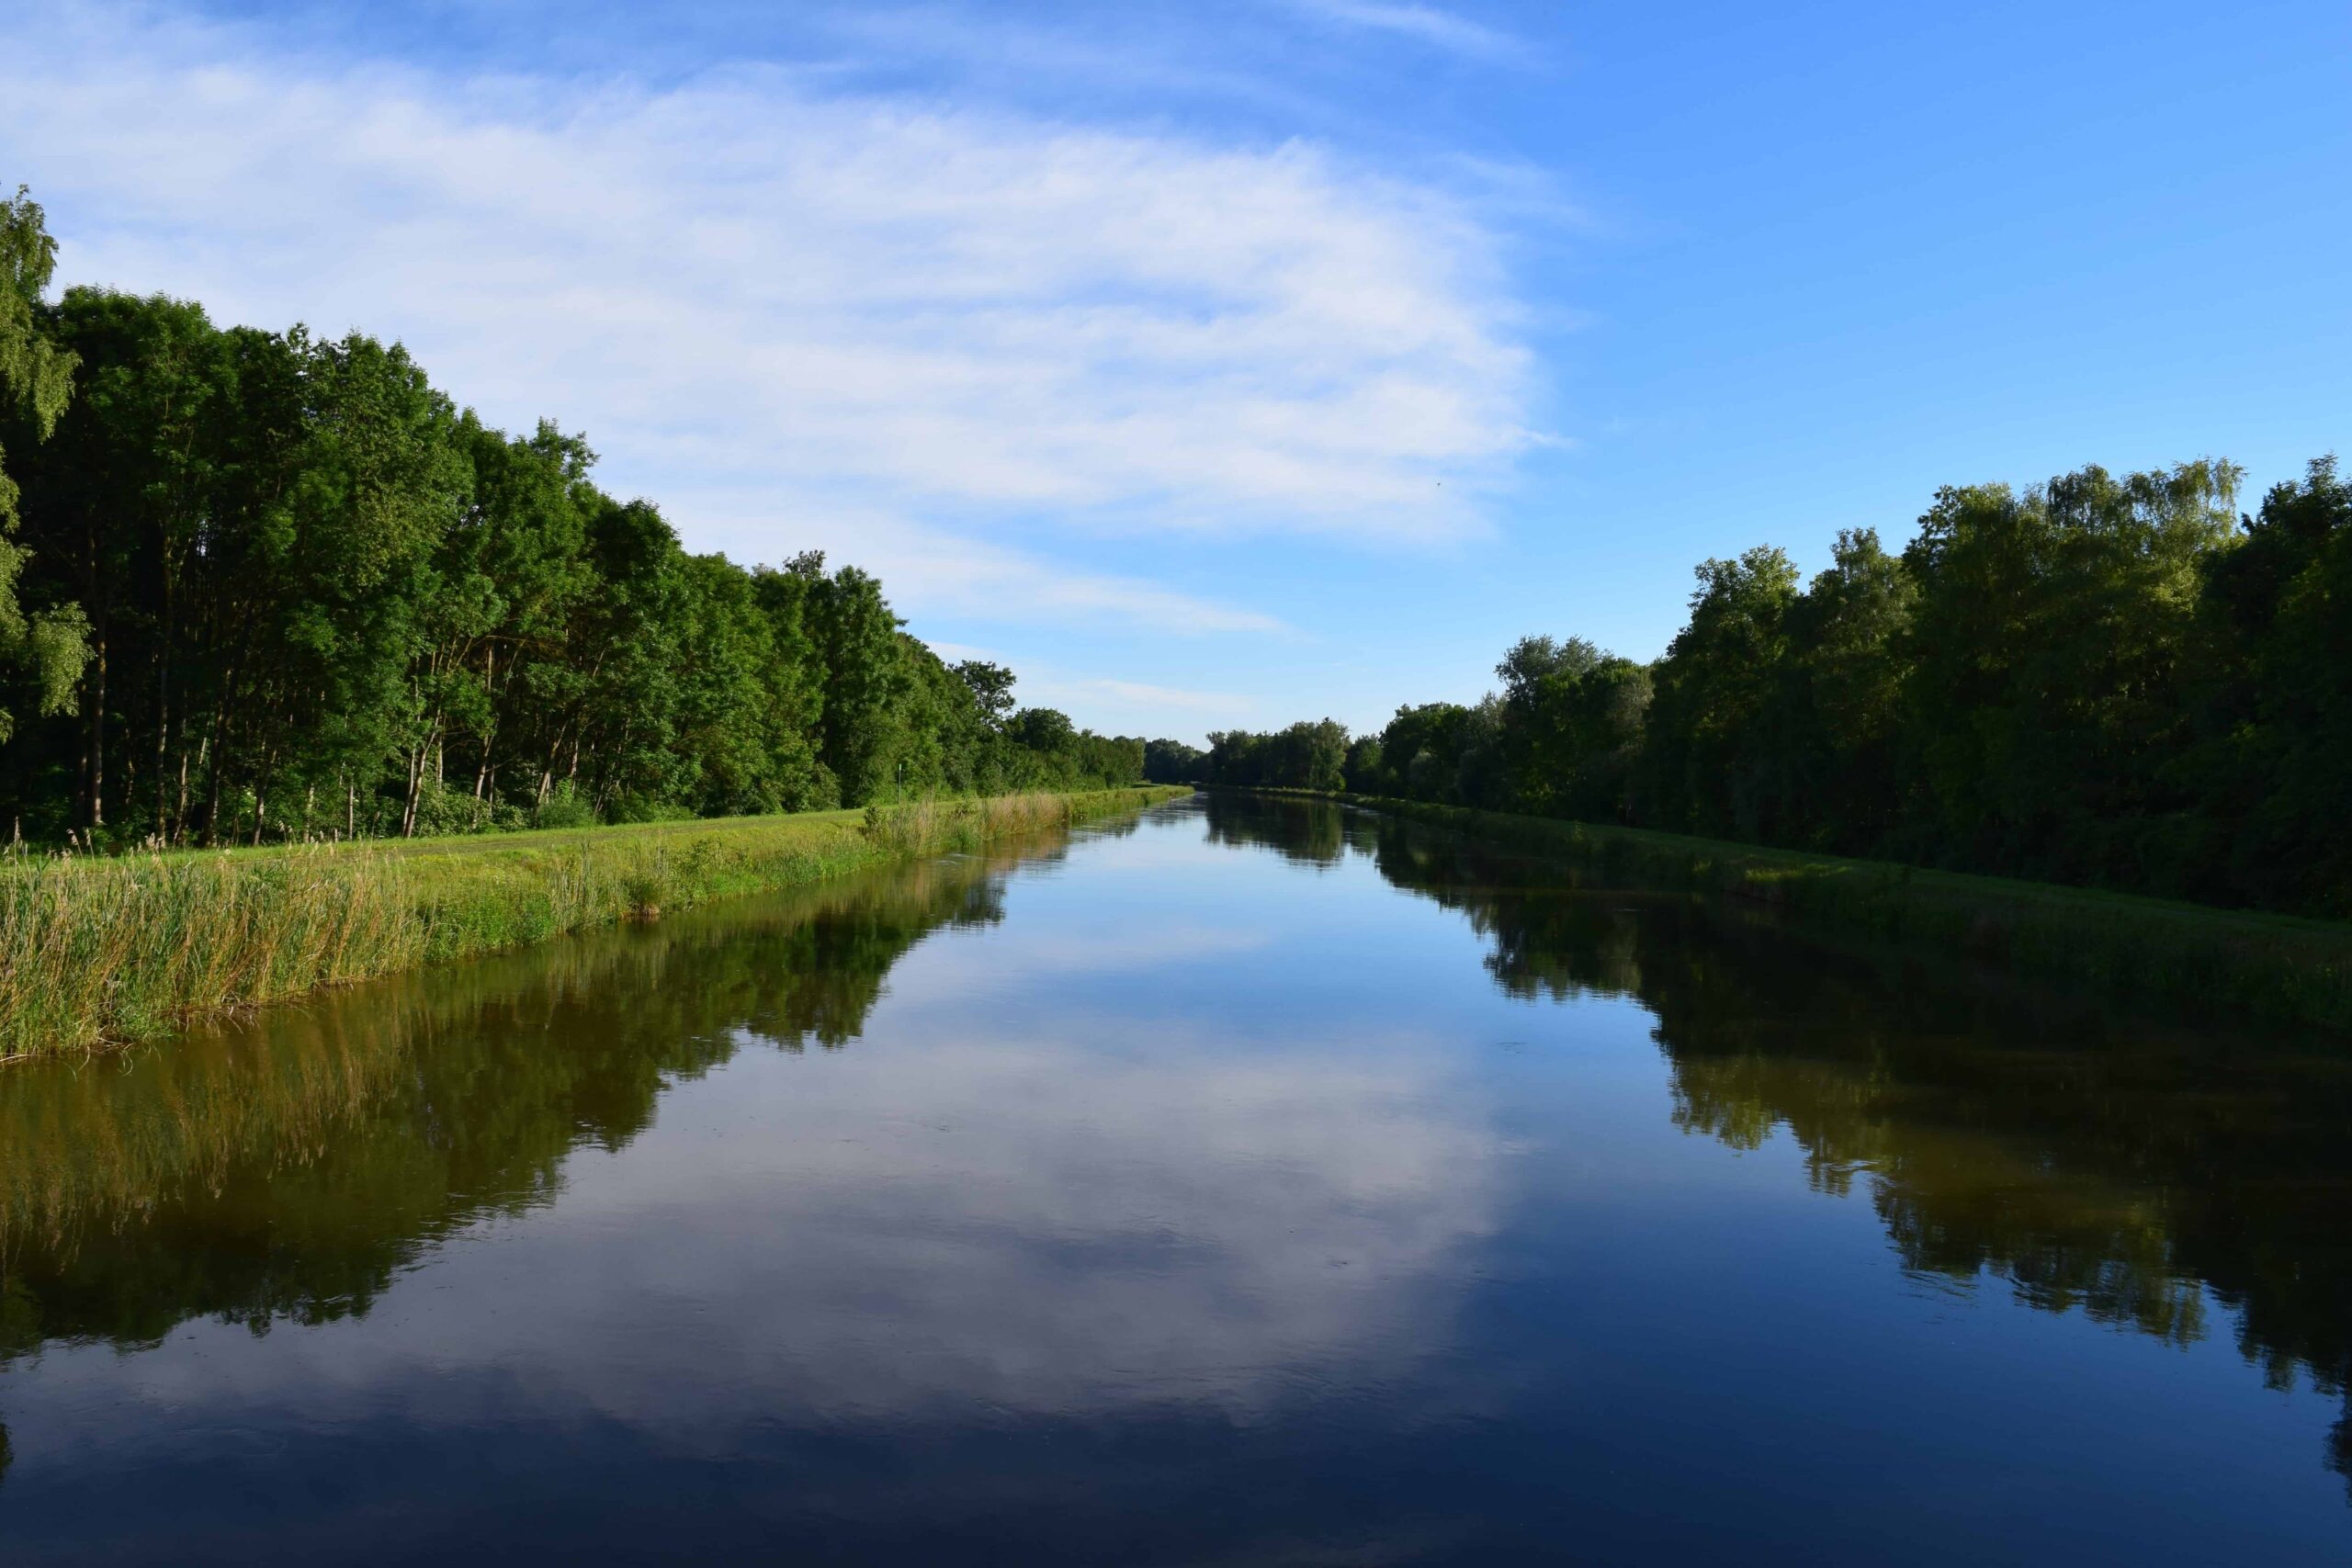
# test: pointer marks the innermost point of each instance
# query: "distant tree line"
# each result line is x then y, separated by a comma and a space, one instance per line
258, 585
1173, 762
2116, 681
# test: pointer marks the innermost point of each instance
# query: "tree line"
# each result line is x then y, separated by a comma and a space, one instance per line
2112, 681
264, 585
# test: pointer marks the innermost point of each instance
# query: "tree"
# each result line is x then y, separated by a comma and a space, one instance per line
1534, 660
316, 597
36, 381
1173, 762
1047, 731
991, 687
1571, 717
2051, 646
1841, 715
2274, 746
856, 638
1710, 766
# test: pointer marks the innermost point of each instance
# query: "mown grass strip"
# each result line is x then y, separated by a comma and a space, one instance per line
2273, 966
98, 950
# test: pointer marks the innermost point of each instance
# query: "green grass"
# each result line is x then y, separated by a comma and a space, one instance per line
2273, 966
98, 950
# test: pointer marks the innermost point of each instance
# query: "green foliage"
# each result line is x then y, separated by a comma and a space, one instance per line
1173, 762
1305, 756
1711, 694
289, 591
991, 687
95, 948
36, 382
564, 807
2107, 680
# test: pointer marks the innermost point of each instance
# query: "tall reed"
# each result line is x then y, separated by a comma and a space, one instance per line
95, 950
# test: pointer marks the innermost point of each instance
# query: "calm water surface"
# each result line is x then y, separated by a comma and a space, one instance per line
1252, 1184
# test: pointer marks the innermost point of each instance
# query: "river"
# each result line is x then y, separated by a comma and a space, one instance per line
1250, 1182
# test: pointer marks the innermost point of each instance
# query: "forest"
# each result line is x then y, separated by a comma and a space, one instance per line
2117, 682
266, 586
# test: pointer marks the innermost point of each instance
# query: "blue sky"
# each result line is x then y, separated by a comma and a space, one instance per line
1243, 360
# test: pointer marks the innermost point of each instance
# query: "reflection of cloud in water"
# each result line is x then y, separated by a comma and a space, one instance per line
918, 1233
950, 964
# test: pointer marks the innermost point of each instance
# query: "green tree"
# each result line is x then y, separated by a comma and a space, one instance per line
1711, 766
2052, 647
992, 688
1174, 761
2274, 744
36, 381
856, 638
1840, 723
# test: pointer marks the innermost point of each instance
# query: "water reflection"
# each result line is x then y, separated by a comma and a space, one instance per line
2095, 1159
1172, 1187
285, 1168
985, 1211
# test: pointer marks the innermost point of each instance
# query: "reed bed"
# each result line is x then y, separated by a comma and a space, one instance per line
89, 1147
2277, 967
97, 950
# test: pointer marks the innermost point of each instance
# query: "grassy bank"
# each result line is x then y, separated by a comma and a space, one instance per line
86, 1154
95, 950
2274, 967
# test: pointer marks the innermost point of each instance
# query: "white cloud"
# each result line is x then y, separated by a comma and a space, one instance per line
943, 572
1113, 705
1143, 692
1426, 24
1133, 707
944, 1222
849, 307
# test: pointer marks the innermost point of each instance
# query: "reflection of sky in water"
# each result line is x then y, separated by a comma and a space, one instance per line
1207, 1196
907, 1230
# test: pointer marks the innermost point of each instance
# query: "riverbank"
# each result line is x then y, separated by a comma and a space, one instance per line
106, 950
2275, 967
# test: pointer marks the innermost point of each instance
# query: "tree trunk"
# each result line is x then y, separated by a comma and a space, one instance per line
416, 782
490, 735
96, 804
416, 775
164, 703
179, 819
261, 790
211, 749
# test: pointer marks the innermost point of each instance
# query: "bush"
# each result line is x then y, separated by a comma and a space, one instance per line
441, 811
565, 808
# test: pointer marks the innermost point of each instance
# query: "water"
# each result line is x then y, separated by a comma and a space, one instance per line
1251, 1184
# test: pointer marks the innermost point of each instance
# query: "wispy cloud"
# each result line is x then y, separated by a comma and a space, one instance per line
1425, 23
1169, 696
942, 571
1119, 707
958, 315
1122, 707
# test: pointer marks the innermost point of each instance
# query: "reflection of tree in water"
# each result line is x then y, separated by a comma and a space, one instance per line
2121, 1167
2105, 1163
1545, 944
288, 1168
1312, 833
